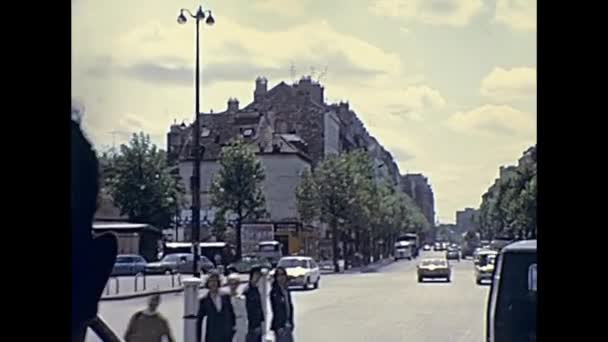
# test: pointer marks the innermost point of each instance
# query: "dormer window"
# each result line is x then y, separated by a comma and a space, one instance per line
205, 132
248, 132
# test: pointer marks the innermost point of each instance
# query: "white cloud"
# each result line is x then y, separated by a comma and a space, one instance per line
509, 84
518, 14
287, 8
417, 100
491, 120
432, 12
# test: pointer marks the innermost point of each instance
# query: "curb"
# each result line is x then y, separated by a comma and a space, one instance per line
365, 269
149, 293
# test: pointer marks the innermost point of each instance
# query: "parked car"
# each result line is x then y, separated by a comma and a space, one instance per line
129, 264
434, 268
247, 263
301, 271
484, 269
179, 263
453, 254
426, 247
511, 310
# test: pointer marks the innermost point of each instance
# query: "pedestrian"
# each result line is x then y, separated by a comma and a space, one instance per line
240, 309
282, 307
92, 257
255, 311
149, 325
217, 308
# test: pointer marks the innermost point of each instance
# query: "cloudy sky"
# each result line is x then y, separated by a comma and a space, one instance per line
448, 86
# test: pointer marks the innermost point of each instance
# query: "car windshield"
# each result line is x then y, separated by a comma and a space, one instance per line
435, 262
268, 248
174, 257
292, 263
124, 259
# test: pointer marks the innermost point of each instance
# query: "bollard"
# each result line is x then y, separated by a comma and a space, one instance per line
172, 280
117, 285
140, 275
179, 279
265, 294
191, 286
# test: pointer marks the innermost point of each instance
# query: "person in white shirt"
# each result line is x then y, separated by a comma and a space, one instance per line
240, 308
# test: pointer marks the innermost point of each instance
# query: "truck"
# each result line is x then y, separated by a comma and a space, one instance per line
413, 239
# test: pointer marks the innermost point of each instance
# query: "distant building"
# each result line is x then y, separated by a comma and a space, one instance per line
418, 188
291, 128
466, 220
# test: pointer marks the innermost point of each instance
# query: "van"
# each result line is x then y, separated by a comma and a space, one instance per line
403, 250
511, 311
270, 250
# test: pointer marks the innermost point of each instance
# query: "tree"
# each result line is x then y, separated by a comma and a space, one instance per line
307, 198
140, 183
237, 188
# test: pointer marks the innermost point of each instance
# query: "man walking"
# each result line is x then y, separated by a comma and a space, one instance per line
255, 312
149, 325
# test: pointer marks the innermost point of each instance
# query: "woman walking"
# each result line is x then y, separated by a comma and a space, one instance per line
282, 307
217, 307
240, 308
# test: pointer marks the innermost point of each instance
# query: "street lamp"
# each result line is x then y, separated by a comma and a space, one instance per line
196, 170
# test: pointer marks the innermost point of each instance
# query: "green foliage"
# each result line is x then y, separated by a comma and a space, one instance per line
342, 191
509, 208
140, 183
237, 189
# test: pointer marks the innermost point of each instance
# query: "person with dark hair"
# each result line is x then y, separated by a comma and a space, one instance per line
92, 257
253, 302
218, 309
282, 307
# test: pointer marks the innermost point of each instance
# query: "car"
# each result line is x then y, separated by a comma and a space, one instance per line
434, 268
512, 303
301, 271
453, 254
426, 247
129, 264
484, 268
179, 263
247, 263
438, 246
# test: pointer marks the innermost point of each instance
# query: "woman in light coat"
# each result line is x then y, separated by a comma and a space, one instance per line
240, 309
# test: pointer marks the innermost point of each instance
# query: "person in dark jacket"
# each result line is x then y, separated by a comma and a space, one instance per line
218, 309
282, 307
92, 256
255, 312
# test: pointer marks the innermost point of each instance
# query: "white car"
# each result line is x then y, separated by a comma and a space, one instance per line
301, 271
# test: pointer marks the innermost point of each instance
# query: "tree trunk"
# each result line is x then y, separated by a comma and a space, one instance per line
334, 242
238, 238
345, 251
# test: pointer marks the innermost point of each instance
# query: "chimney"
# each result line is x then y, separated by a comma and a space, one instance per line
233, 105
261, 87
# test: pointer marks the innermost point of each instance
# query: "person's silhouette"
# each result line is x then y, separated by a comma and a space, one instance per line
92, 257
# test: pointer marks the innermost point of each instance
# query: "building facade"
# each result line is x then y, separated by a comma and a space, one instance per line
418, 188
291, 129
466, 220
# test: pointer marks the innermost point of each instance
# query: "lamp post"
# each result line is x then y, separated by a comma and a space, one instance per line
196, 170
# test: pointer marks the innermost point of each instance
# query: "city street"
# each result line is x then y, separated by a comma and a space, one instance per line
389, 305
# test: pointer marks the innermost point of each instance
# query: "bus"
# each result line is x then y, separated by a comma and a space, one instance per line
413, 239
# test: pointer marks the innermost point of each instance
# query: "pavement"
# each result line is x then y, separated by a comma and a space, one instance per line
387, 305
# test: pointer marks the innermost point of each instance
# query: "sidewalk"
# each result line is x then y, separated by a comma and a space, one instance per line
155, 284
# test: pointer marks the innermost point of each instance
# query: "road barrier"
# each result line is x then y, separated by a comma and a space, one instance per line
117, 285
137, 276
191, 286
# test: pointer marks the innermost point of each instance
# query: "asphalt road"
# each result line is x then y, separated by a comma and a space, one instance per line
389, 305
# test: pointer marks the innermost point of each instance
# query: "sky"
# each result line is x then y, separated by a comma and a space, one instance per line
447, 86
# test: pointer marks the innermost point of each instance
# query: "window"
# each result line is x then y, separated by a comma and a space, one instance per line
248, 132
532, 278
313, 264
205, 132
